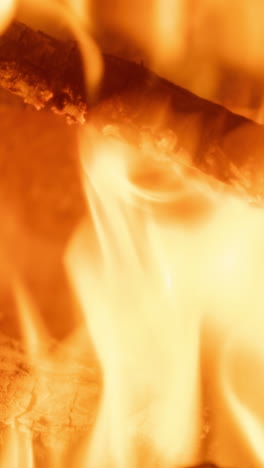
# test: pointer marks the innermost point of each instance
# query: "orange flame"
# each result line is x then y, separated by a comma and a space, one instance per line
18, 451
162, 260
149, 282
123, 284
7, 11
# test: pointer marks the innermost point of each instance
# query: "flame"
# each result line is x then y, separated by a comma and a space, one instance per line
151, 277
32, 327
63, 382
162, 255
18, 451
124, 285
169, 16
76, 16
162, 259
7, 11
134, 284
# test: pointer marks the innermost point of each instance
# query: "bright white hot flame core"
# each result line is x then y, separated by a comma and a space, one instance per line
7, 10
125, 287
162, 258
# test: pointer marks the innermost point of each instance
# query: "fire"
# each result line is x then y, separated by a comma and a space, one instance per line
166, 268
168, 16
148, 395
75, 16
19, 450
150, 281
7, 11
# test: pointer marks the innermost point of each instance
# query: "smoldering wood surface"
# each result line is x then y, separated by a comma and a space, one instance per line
216, 143
47, 72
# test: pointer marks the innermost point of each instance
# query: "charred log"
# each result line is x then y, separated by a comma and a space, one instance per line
47, 72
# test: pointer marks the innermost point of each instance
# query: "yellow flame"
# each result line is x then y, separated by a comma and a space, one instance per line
75, 15
169, 30
162, 256
241, 369
17, 450
149, 279
133, 283
32, 327
7, 11
79, 22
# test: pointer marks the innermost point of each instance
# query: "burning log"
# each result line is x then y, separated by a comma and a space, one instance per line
47, 72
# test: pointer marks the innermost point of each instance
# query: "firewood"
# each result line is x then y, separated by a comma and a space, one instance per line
206, 138
47, 72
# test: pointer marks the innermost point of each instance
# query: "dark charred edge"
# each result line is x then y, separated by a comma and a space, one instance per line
42, 70
46, 71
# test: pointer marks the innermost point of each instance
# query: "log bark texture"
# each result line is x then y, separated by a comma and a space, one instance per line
47, 72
